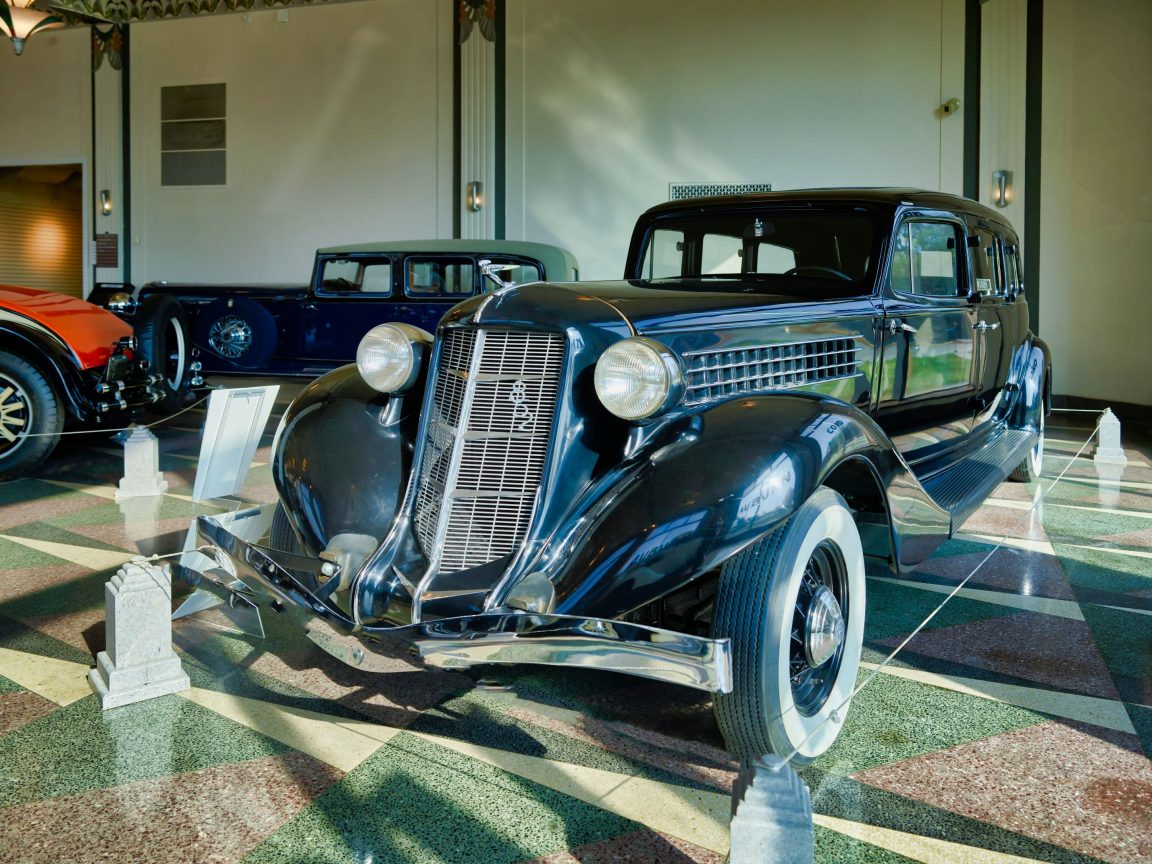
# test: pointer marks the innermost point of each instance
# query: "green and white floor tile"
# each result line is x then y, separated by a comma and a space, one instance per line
1016, 726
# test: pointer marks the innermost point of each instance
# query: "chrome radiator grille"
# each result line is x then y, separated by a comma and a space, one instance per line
493, 402
715, 374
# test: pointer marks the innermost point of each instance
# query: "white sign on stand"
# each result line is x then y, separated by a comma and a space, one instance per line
236, 420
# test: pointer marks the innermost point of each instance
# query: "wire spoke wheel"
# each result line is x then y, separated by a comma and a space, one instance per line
230, 336
793, 607
817, 638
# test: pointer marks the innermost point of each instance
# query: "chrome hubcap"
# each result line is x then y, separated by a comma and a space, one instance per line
230, 336
15, 414
823, 628
818, 628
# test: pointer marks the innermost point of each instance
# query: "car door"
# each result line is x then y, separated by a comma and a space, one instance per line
928, 346
989, 283
350, 294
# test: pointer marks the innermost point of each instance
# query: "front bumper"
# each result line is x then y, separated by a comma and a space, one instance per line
503, 637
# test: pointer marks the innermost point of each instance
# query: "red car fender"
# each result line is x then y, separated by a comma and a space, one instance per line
91, 332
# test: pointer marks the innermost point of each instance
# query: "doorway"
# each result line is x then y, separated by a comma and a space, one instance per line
42, 226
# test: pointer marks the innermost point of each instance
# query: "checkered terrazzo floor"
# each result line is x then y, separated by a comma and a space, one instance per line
1017, 726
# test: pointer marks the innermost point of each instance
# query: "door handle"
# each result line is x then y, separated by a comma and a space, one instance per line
984, 325
895, 326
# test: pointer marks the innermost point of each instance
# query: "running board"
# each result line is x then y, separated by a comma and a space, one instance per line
962, 488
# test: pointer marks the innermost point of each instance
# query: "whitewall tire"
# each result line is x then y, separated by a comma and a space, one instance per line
793, 605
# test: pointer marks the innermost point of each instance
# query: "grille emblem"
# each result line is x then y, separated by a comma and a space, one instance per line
523, 416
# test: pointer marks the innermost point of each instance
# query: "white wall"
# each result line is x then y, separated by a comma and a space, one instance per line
46, 112
609, 102
1096, 181
339, 131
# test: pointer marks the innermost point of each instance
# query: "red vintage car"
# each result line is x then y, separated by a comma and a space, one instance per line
65, 362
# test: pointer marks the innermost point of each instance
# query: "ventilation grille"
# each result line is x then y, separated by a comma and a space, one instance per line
487, 438
716, 374
679, 191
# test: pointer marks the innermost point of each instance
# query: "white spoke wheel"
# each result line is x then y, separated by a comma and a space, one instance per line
793, 606
31, 417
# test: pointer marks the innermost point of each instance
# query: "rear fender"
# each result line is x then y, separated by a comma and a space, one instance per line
677, 510
342, 457
1031, 374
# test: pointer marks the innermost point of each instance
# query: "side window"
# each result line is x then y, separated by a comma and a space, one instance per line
665, 254
437, 277
1011, 271
355, 276
986, 265
720, 253
924, 260
771, 258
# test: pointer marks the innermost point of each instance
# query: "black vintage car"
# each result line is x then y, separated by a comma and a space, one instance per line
314, 328
677, 475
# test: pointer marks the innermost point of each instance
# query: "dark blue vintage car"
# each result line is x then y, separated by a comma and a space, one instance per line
677, 475
310, 329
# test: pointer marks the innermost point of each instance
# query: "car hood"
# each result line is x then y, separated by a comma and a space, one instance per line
655, 307
91, 332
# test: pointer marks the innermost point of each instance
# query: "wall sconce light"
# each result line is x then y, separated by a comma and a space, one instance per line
474, 196
1001, 188
18, 21
105, 202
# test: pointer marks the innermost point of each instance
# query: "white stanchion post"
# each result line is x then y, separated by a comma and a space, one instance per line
139, 663
142, 475
1109, 451
771, 815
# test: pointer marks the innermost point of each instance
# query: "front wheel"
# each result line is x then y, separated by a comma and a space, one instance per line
31, 417
793, 606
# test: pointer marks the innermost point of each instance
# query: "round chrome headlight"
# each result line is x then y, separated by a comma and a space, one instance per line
389, 356
638, 377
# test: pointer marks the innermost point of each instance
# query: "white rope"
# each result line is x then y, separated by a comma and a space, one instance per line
106, 431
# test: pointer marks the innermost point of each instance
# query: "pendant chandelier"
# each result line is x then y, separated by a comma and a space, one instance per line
18, 21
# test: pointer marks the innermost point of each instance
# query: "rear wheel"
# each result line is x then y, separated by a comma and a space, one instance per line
1029, 470
162, 337
31, 417
793, 606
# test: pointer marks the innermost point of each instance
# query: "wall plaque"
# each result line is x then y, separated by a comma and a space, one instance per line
107, 250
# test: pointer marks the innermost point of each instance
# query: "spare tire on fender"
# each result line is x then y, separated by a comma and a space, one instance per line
162, 339
238, 331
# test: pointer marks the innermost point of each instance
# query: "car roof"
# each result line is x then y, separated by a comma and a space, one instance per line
556, 260
887, 197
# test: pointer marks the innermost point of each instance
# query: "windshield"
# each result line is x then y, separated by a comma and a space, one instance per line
833, 250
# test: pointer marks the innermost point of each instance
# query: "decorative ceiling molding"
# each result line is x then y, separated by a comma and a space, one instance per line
130, 11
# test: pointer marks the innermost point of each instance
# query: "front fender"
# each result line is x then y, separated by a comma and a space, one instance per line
738, 469
342, 457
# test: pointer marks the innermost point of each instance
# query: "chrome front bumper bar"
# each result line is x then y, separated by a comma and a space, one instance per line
494, 637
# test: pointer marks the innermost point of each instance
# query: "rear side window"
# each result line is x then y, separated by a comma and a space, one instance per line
440, 277
924, 260
1011, 271
986, 265
356, 276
